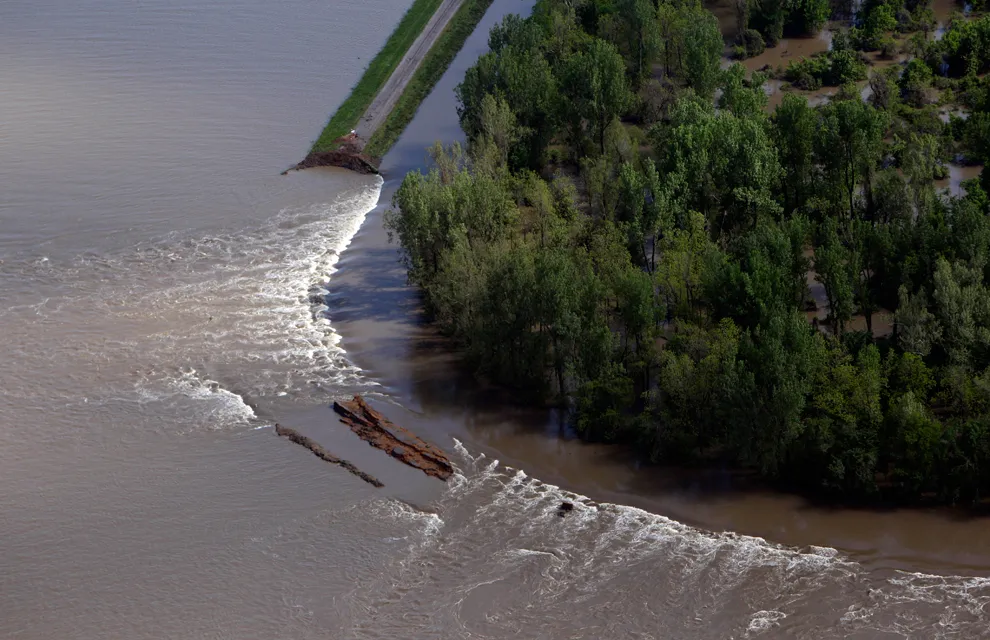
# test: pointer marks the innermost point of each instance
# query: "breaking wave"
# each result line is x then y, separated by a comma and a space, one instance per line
497, 561
199, 331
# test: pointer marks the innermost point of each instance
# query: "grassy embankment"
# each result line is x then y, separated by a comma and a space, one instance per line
427, 75
378, 72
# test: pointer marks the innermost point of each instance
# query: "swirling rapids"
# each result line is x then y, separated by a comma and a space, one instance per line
495, 561
195, 331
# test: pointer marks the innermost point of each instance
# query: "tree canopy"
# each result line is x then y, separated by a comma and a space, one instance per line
630, 233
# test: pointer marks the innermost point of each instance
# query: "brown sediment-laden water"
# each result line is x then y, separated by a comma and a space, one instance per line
792, 49
168, 297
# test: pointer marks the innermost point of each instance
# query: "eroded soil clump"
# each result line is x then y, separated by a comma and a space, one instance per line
347, 153
379, 432
322, 453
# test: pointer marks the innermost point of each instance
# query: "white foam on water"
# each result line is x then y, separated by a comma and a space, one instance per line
960, 602
645, 528
205, 403
426, 525
230, 407
220, 323
610, 570
764, 621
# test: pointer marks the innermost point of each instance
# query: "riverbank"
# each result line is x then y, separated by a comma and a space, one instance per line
383, 125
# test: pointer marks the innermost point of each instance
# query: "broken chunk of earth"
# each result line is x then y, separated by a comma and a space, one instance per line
401, 444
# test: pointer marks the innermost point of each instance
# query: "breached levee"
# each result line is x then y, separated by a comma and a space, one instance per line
401, 444
347, 153
323, 454
397, 95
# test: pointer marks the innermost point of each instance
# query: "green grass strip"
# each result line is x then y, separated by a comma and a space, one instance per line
378, 72
427, 75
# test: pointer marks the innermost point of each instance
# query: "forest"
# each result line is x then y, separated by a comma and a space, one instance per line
631, 232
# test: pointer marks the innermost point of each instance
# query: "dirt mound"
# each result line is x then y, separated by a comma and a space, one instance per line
320, 452
347, 153
379, 432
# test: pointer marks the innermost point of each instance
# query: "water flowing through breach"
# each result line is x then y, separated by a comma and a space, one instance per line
191, 333
494, 559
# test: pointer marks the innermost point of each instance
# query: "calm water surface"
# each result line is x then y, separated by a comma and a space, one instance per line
167, 296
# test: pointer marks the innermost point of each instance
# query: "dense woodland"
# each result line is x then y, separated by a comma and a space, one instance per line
631, 232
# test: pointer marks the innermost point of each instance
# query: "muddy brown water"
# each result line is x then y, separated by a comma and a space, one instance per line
163, 305
792, 49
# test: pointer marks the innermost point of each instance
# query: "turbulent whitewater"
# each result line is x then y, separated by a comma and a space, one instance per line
491, 560
138, 322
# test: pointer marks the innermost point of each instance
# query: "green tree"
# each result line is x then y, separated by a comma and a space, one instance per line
596, 87
663, 301
524, 80
917, 328
679, 273
699, 378
884, 89
603, 403
498, 124
866, 253
781, 358
702, 51
916, 82
764, 276
808, 17
907, 372
638, 36
962, 306
769, 18
563, 32
833, 268
878, 21
916, 443
850, 145
431, 213
794, 134
843, 420
719, 164
746, 99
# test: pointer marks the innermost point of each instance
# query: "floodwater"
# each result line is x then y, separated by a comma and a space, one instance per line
952, 184
790, 50
167, 297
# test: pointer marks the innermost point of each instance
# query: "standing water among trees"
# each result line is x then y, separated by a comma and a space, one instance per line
629, 232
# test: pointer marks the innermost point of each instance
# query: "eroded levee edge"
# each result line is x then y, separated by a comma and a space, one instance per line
323, 454
347, 153
401, 444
